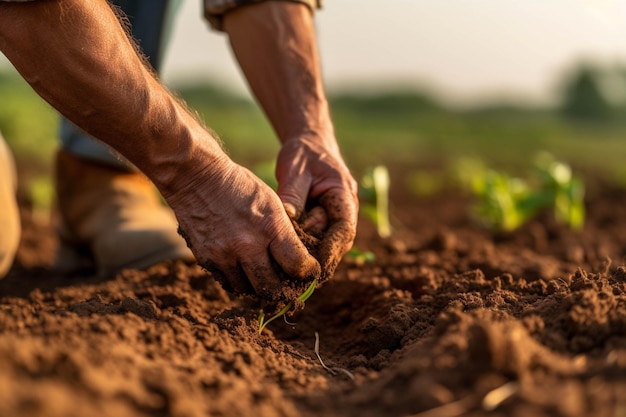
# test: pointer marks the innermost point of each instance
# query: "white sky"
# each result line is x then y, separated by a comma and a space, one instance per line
468, 49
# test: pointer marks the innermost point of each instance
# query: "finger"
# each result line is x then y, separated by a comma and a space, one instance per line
341, 208
294, 193
294, 258
291, 210
262, 275
337, 241
340, 204
316, 220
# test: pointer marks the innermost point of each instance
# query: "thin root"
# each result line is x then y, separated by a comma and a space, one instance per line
332, 371
497, 396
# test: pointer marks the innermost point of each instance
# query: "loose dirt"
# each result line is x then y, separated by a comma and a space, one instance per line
449, 320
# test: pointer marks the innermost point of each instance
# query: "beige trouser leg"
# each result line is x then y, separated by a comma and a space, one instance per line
9, 215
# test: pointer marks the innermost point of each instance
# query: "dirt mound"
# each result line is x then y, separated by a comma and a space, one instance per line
449, 320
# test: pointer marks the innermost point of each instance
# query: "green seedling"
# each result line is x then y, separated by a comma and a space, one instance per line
505, 203
374, 194
303, 297
567, 192
360, 257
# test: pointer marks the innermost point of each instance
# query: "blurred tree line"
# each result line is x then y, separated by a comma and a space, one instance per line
588, 92
401, 123
595, 94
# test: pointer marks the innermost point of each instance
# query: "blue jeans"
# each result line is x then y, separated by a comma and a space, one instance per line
148, 19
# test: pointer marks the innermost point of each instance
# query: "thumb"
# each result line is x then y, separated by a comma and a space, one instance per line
291, 210
293, 193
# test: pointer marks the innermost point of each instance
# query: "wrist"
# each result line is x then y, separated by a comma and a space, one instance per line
321, 139
201, 182
195, 158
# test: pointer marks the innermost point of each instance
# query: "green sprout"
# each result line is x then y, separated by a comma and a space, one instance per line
566, 190
303, 297
374, 193
506, 203
360, 257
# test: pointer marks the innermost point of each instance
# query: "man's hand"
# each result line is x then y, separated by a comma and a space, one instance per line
313, 177
77, 57
275, 45
238, 229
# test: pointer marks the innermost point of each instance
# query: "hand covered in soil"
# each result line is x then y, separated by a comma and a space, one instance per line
238, 230
312, 176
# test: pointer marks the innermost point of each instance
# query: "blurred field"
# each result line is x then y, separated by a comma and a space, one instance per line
397, 128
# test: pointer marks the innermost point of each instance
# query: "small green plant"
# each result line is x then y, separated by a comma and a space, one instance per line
374, 196
360, 257
303, 297
505, 203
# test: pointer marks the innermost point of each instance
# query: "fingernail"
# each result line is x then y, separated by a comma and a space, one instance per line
290, 209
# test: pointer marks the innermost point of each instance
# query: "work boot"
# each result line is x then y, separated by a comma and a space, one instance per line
9, 215
113, 216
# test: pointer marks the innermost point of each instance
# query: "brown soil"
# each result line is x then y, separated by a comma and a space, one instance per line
449, 320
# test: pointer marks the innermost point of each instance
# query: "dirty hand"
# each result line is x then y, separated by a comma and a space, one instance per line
312, 176
237, 228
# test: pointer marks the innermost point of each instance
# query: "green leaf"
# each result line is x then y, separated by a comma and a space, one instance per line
374, 195
505, 203
360, 257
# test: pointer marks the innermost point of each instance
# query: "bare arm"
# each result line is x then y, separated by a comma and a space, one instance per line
76, 56
275, 45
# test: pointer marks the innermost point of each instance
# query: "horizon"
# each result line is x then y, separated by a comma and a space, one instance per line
467, 53
536, 44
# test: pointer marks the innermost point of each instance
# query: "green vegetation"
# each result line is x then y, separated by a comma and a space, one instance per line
408, 130
583, 98
360, 257
303, 297
506, 203
28, 124
374, 198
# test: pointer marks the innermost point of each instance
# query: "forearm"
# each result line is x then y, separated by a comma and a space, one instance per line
275, 45
75, 54
77, 57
